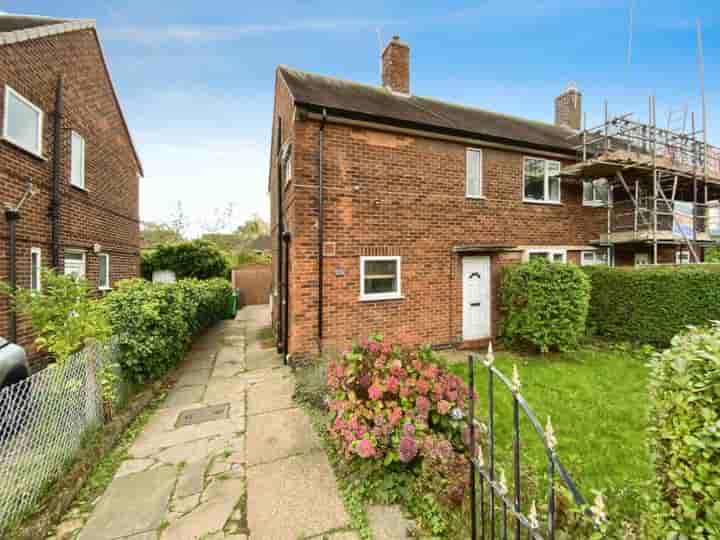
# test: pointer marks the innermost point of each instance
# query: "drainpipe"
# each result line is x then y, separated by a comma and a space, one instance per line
281, 348
13, 215
57, 173
321, 229
286, 305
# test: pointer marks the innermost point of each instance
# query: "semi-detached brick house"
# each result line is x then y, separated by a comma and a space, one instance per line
395, 213
62, 128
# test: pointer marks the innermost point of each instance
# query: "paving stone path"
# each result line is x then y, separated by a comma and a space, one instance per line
250, 466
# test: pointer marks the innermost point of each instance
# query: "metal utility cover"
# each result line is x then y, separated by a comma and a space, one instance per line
206, 414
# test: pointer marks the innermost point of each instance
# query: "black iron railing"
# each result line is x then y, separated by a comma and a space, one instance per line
495, 512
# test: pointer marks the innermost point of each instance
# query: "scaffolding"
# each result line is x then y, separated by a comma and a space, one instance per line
663, 183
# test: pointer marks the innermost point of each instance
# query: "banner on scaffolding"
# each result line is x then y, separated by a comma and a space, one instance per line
713, 218
683, 219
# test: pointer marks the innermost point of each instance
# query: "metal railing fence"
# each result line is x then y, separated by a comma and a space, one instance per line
43, 420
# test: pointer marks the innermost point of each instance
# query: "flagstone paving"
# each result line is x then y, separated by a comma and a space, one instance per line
257, 472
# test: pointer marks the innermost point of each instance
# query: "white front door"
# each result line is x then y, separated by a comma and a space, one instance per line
476, 297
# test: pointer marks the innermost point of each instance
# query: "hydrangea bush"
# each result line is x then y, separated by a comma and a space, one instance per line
398, 407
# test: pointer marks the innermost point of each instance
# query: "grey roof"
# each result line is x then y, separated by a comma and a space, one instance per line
9, 22
262, 243
380, 103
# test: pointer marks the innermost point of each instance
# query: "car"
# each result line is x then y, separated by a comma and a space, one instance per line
13, 363
13, 404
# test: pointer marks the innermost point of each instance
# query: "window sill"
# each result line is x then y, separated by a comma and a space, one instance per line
595, 204
380, 298
79, 188
476, 197
105, 289
551, 203
23, 149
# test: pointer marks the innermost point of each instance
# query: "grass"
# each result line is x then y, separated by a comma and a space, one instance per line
597, 399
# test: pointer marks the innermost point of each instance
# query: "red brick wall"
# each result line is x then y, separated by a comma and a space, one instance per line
106, 212
400, 195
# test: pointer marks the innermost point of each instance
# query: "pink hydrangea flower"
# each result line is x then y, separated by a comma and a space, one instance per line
365, 448
374, 347
422, 404
409, 429
392, 385
396, 367
375, 392
452, 395
407, 449
443, 406
422, 386
405, 391
395, 415
339, 371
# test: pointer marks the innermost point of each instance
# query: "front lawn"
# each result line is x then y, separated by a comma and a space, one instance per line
598, 403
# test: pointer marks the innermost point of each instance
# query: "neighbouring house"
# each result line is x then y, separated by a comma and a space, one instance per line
395, 213
63, 129
262, 245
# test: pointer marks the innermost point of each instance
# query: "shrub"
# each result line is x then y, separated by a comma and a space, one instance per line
193, 259
64, 315
396, 407
651, 305
154, 322
685, 432
544, 304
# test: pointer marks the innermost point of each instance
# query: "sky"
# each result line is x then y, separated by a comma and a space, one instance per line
195, 79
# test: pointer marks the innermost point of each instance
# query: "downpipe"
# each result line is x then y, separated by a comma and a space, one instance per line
321, 230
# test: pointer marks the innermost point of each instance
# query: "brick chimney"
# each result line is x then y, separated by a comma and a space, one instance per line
396, 66
568, 108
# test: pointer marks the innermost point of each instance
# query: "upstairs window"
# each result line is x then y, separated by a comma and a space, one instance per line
541, 180
595, 192
35, 269
77, 161
104, 271
473, 173
286, 160
22, 122
379, 278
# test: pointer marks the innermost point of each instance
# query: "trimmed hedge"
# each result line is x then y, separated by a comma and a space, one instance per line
154, 322
651, 305
193, 259
544, 304
685, 432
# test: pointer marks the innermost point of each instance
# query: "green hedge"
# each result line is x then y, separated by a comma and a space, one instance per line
651, 305
544, 304
193, 259
685, 432
155, 322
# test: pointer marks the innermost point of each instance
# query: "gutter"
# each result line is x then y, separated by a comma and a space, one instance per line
443, 134
56, 174
321, 229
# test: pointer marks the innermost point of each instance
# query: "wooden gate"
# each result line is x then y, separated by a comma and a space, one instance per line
254, 283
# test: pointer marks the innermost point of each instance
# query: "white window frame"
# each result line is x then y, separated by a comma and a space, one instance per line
682, 254
594, 262
107, 286
594, 201
80, 185
9, 90
286, 160
546, 187
479, 152
550, 252
36, 272
380, 296
84, 261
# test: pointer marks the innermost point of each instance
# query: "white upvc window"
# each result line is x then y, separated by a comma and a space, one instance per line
104, 271
286, 160
552, 255
682, 256
74, 263
595, 192
77, 160
35, 269
541, 180
592, 258
473, 173
380, 278
22, 122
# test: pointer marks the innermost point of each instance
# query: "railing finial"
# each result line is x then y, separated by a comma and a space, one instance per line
490, 356
516, 380
479, 456
533, 517
550, 439
502, 483
598, 510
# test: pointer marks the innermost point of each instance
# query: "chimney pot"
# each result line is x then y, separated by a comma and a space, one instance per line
568, 108
396, 66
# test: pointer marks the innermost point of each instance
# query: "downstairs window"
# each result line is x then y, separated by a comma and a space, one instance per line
379, 278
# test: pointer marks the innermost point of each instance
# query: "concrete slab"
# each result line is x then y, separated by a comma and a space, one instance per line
194, 377
143, 495
271, 395
279, 434
132, 466
304, 502
183, 396
183, 453
262, 358
191, 481
388, 523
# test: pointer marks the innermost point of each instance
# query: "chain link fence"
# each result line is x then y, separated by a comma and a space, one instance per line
43, 420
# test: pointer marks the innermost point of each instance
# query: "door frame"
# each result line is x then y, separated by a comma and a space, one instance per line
488, 259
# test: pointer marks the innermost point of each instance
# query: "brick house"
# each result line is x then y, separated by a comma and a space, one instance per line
63, 129
395, 213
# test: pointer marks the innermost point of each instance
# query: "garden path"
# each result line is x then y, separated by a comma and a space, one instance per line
251, 468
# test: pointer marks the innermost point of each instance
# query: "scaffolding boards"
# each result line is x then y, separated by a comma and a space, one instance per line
660, 180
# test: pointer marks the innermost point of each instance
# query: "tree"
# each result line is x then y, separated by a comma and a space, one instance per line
154, 233
179, 221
